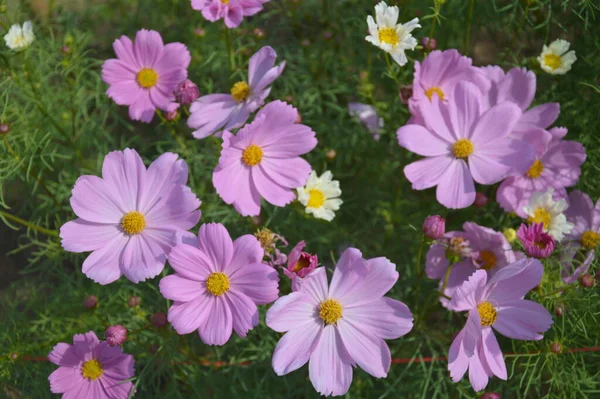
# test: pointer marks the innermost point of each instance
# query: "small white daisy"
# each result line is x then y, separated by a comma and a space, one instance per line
389, 35
19, 38
543, 209
320, 195
556, 59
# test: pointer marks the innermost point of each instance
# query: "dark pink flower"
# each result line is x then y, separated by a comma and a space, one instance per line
300, 263
537, 244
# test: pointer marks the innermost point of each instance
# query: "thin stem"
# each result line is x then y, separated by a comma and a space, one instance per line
229, 50
446, 277
436, 11
468, 30
558, 291
30, 225
419, 255
173, 131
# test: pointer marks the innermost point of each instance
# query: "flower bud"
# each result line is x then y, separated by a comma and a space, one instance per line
259, 33
172, 115
4, 128
289, 99
13, 356
331, 154
305, 43
555, 347
66, 50
327, 35
480, 200
560, 310
406, 93
256, 220
115, 335
491, 395
186, 92
429, 43
200, 32
586, 280
133, 301
90, 302
434, 227
159, 319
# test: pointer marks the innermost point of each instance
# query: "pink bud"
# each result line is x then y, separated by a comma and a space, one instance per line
555, 347
65, 49
259, 33
429, 43
586, 280
434, 227
491, 395
186, 92
560, 310
327, 35
115, 335
406, 93
200, 32
133, 301
13, 356
172, 115
480, 200
159, 319
4, 128
289, 99
331, 154
90, 302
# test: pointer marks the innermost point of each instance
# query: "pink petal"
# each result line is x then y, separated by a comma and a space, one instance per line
580, 212
289, 173
290, 311
465, 296
295, 348
472, 332
64, 354
385, 317
215, 242
85, 344
493, 354
315, 286
191, 263
117, 71
541, 116
518, 86
80, 236
218, 326
257, 281
437, 118
142, 259
270, 190
495, 124
142, 109
370, 352
465, 108
479, 373
522, 319
148, 47
330, 367
455, 188
234, 185
174, 56
436, 262
514, 281
427, 172
186, 317
102, 265
212, 113
234, 17
243, 311
93, 200
494, 161
246, 250
261, 72
65, 379
370, 283
458, 362
178, 288
124, 50
349, 270
419, 140
125, 174
125, 93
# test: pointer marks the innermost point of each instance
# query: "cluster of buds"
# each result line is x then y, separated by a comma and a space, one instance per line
269, 241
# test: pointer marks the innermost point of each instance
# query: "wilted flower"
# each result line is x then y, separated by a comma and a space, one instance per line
542, 208
19, 38
90, 302
186, 92
390, 36
556, 59
320, 195
537, 244
434, 227
115, 335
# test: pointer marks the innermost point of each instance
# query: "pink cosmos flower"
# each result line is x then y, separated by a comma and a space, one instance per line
263, 160
338, 327
477, 247
437, 76
536, 242
462, 144
557, 165
217, 285
131, 217
91, 369
232, 11
579, 249
300, 264
145, 74
216, 112
367, 115
518, 86
495, 302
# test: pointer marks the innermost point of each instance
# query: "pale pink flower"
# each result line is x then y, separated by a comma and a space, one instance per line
232, 11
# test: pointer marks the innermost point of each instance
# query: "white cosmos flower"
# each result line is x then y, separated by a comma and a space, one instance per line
389, 35
319, 195
19, 38
543, 209
556, 59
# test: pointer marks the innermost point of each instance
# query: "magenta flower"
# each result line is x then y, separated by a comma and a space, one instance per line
300, 264
557, 165
263, 160
437, 76
145, 73
518, 86
462, 144
367, 115
216, 112
90, 369
579, 248
434, 227
537, 244
476, 248
338, 327
131, 217
495, 302
232, 11
217, 285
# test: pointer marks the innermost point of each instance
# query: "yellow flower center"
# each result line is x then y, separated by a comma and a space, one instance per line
133, 223
388, 35
316, 198
266, 237
487, 314
462, 148
252, 155
240, 91
540, 215
435, 90
536, 169
225, 1
217, 283
147, 78
552, 60
590, 239
489, 260
330, 311
92, 369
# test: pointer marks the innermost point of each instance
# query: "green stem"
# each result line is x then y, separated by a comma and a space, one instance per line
560, 290
173, 131
468, 30
419, 255
436, 10
30, 225
229, 50
446, 277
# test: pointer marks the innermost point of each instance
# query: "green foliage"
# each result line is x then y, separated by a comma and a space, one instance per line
63, 124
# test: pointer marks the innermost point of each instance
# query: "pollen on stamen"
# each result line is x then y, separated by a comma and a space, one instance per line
434, 90
240, 91
92, 370
330, 311
316, 198
487, 314
252, 155
488, 258
536, 169
147, 78
552, 60
217, 283
462, 148
590, 239
388, 35
133, 223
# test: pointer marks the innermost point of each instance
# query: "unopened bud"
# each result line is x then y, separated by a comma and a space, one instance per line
429, 43
510, 234
159, 319
172, 115
434, 227
560, 310
4, 128
90, 302
186, 92
491, 395
586, 280
555, 347
406, 93
331, 154
480, 200
133, 301
115, 335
